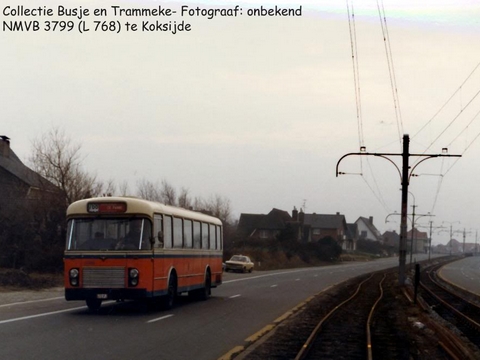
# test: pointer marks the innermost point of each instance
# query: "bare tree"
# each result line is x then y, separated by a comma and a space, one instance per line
123, 188
184, 199
148, 190
216, 205
168, 193
109, 188
58, 159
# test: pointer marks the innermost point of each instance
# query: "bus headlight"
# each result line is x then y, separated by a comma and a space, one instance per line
74, 275
133, 275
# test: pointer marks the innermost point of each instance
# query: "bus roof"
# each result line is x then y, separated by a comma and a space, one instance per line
139, 206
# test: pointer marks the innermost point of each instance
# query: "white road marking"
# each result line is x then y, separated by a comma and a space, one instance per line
32, 301
160, 318
40, 315
297, 279
274, 286
234, 296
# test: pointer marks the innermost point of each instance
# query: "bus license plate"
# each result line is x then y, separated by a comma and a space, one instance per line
102, 296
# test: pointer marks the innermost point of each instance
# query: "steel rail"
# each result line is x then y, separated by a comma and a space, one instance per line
369, 338
304, 351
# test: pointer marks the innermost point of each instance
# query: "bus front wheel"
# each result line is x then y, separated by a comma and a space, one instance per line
94, 304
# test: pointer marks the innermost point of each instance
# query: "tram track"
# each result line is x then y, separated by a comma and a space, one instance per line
371, 317
327, 339
463, 314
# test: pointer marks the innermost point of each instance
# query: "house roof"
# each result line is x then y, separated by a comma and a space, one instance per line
369, 224
417, 234
322, 221
274, 220
393, 235
12, 164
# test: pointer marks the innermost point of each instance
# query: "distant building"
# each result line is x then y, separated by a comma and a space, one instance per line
18, 182
261, 226
318, 226
391, 238
420, 241
367, 230
352, 237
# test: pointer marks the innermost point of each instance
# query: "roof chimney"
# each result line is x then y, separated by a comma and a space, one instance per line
4, 146
295, 214
370, 219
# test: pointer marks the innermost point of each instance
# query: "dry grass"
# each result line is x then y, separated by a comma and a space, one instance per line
11, 279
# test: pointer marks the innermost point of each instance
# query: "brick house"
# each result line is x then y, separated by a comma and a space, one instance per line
319, 226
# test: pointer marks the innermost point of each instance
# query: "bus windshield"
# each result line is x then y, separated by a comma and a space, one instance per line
109, 234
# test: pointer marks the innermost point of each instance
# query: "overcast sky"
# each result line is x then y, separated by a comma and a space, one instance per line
260, 109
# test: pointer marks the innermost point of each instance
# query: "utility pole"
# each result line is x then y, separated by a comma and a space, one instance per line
476, 239
411, 237
464, 235
430, 241
405, 175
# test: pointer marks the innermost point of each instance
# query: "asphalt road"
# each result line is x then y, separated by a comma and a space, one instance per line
464, 273
52, 328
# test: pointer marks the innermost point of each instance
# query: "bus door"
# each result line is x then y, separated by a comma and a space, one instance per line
158, 278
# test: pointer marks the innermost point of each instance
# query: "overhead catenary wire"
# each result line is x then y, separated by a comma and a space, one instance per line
376, 196
358, 102
453, 121
356, 76
448, 100
464, 129
391, 70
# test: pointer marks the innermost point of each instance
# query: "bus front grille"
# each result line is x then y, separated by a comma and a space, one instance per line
104, 277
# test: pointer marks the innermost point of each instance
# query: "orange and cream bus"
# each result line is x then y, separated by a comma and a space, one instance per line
122, 248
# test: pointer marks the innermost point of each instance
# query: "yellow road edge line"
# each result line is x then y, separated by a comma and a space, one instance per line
235, 350
260, 333
238, 349
283, 317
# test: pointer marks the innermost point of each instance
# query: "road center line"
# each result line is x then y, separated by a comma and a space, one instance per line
274, 286
234, 296
160, 318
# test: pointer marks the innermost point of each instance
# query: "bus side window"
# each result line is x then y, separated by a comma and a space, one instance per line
219, 237
167, 231
177, 233
213, 243
187, 233
204, 236
197, 235
158, 231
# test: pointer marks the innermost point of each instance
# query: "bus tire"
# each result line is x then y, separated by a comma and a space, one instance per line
94, 304
206, 291
168, 300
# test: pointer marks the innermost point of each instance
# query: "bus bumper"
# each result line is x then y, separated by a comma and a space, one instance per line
106, 294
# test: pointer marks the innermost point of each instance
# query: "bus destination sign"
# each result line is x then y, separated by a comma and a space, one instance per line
108, 208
